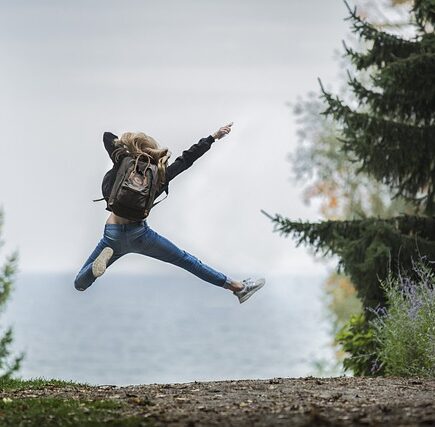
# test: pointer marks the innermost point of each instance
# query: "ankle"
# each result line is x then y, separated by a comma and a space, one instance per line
235, 286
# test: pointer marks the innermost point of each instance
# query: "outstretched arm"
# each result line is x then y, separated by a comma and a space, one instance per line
187, 158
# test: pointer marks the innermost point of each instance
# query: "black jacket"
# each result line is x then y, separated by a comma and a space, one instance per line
179, 165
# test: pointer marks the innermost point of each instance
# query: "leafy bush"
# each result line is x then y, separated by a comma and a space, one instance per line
405, 332
358, 340
400, 339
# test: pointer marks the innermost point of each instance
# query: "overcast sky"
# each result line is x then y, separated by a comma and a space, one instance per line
177, 70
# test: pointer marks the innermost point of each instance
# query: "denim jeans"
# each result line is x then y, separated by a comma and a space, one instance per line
139, 238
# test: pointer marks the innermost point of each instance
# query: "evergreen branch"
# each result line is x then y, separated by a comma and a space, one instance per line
370, 33
410, 78
401, 99
409, 225
268, 215
383, 145
304, 232
345, 114
380, 54
5, 342
6, 278
386, 47
366, 247
349, 9
424, 12
322, 89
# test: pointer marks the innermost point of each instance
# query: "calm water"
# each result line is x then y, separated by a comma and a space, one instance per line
136, 329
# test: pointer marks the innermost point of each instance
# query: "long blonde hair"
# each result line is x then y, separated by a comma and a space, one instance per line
135, 143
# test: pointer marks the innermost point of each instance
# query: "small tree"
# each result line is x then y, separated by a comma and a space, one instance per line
8, 364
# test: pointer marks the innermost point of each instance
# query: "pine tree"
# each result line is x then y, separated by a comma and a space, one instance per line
8, 270
326, 175
390, 133
393, 133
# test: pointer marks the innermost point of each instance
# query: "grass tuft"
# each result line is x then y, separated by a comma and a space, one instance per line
51, 412
33, 384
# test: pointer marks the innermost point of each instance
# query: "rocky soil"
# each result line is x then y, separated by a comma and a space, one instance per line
275, 402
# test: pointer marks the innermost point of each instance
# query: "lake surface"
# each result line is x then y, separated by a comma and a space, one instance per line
137, 329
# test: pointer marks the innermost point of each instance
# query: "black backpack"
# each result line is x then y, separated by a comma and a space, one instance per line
135, 187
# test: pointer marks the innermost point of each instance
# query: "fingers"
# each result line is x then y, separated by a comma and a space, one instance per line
224, 130
227, 128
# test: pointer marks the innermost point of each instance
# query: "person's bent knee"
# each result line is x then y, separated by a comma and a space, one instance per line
79, 286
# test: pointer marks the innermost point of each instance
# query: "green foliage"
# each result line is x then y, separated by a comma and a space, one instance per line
400, 340
405, 332
358, 340
366, 248
55, 412
391, 141
384, 47
424, 11
35, 384
52, 407
325, 171
399, 165
8, 365
375, 142
391, 134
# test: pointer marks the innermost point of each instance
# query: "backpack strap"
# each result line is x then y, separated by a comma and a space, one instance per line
99, 200
137, 160
161, 200
147, 211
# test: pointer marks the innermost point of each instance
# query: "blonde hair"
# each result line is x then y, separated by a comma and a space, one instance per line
135, 143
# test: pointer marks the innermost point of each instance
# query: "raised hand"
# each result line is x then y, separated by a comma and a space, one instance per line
224, 130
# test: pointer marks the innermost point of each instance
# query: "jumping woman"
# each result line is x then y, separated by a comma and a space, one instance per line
123, 235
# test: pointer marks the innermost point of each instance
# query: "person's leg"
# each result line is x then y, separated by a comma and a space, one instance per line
156, 246
86, 277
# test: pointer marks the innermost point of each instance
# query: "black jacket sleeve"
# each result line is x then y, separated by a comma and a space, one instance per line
108, 139
186, 160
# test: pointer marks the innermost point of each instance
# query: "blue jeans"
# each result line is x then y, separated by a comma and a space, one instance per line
139, 238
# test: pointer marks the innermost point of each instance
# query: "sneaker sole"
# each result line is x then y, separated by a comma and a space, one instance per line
245, 297
100, 264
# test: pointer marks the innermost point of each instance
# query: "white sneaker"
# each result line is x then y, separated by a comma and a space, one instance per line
100, 263
251, 286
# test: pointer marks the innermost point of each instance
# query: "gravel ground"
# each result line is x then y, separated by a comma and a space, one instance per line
309, 401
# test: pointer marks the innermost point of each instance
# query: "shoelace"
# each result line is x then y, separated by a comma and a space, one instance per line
247, 284
238, 293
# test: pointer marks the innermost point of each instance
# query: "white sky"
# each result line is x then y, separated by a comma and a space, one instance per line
177, 70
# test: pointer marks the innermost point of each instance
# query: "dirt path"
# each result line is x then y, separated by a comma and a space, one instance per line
274, 402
